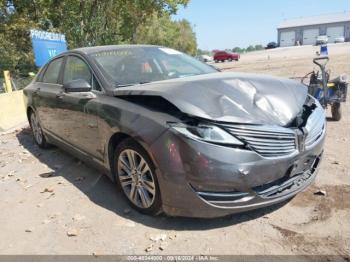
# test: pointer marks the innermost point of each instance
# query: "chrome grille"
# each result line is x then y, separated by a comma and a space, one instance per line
315, 126
268, 141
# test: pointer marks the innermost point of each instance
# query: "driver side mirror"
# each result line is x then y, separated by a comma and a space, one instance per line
78, 85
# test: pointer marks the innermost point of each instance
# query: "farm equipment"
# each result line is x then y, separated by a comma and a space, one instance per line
328, 92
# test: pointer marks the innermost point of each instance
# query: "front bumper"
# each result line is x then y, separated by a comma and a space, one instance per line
199, 179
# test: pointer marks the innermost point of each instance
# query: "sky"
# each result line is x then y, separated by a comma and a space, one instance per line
221, 24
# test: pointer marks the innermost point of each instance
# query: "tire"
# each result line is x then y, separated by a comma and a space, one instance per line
140, 188
336, 111
230, 59
38, 134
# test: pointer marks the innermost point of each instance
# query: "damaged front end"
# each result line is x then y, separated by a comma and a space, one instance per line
263, 150
282, 162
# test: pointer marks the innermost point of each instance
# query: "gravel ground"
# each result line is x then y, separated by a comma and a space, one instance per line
51, 203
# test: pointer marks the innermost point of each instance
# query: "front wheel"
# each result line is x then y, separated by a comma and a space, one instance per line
137, 178
38, 133
336, 111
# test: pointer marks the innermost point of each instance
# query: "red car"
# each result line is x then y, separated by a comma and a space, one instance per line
225, 55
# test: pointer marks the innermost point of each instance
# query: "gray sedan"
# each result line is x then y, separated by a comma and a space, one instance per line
176, 135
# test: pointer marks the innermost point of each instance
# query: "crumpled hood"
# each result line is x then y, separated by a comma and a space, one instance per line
230, 97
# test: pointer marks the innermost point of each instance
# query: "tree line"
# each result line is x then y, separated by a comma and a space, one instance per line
235, 49
90, 23
248, 49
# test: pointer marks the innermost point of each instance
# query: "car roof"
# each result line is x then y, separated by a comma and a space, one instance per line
95, 49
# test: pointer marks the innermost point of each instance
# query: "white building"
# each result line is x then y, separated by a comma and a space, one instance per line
305, 30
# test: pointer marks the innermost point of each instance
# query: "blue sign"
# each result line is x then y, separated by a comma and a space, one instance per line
47, 45
324, 50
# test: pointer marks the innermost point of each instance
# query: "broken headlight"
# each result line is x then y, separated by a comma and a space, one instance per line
207, 133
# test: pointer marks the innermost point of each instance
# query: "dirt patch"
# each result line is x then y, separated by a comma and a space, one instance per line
290, 62
337, 198
305, 242
285, 232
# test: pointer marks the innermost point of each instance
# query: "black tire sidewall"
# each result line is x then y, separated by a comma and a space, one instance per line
129, 143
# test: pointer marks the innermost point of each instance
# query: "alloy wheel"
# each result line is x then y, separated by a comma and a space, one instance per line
37, 131
136, 178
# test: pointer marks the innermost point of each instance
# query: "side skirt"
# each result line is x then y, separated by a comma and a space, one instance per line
75, 152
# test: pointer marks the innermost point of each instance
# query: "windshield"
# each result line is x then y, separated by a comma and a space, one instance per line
135, 65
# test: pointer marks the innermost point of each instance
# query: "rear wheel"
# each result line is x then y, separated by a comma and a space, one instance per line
38, 133
336, 111
137, 178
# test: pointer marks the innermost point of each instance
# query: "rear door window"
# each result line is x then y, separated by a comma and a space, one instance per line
53, 71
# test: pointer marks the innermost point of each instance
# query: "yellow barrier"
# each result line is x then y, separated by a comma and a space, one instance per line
12, 110
7, 77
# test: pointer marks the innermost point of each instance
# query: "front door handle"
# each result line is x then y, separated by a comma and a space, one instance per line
36, 91
60, 95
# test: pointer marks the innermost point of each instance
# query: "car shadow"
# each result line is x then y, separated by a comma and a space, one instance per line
103, 192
